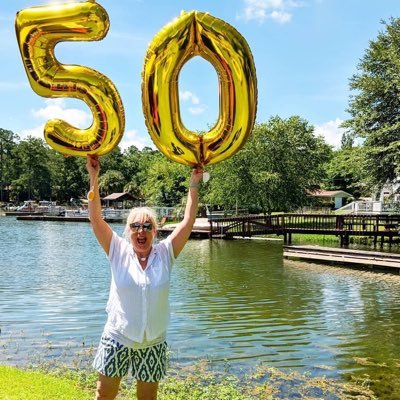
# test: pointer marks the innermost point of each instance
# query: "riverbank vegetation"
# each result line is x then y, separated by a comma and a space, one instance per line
256, 179
194, 383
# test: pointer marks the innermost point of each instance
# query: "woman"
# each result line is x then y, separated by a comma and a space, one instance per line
138, 312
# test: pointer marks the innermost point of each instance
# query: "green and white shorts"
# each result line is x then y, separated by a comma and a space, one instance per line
114, 359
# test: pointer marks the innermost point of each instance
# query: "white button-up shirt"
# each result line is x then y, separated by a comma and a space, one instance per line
138, 305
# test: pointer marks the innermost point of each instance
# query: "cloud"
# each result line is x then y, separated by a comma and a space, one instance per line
56, 108
197, 110
189, 96
133, 138
36, 132
281, 16
260, 10
331, 131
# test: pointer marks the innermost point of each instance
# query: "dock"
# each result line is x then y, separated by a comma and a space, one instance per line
62, 218
335, 255
201, 229
379, 228
282, 225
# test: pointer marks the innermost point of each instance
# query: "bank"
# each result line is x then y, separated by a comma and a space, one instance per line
198, 382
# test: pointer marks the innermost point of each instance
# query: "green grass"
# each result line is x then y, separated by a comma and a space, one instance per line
191, 383
16, 384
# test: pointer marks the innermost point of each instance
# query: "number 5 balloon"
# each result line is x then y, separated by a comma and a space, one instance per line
38, 30
195, 33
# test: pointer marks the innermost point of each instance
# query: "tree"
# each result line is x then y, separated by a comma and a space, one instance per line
279, 163
33, 174
111, 181
113, 160
7, 143
375, 106
131, 171
346, 171
130, 163
166, 182
68, 176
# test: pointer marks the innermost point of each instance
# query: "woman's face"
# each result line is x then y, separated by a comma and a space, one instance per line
142, 235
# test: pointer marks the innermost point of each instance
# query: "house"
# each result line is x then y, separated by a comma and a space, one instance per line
390, 192
337, 197
117, 200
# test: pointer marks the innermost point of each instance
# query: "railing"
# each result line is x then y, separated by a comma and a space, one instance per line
369, 207
282, 224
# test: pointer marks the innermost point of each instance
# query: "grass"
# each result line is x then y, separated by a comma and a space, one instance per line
16, 384
197, 382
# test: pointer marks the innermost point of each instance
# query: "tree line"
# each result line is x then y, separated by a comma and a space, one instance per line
281, 163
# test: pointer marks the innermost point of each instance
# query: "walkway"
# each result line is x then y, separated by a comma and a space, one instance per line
343, 256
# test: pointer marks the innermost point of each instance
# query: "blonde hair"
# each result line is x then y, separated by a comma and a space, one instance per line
142, 214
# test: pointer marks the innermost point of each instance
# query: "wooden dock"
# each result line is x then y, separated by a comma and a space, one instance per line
382, 228
61, 218
201, 229
385, 228
287, 224
343, 256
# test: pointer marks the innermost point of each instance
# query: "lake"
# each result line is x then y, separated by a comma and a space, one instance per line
236, 303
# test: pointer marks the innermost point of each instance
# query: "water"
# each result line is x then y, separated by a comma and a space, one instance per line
233, 302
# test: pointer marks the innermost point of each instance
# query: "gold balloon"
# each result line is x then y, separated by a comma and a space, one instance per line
38, 30
199, 34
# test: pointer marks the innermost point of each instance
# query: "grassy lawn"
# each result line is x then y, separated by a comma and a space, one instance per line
196, 383
16, 384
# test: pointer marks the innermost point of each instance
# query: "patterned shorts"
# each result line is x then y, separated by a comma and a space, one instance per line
113, 360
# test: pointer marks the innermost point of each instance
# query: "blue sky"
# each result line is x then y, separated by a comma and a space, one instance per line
305, 51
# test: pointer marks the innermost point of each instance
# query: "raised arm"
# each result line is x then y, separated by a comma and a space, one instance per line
101, 229
181, 233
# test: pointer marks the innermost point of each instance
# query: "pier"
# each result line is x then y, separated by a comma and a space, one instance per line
373, 259
379, 227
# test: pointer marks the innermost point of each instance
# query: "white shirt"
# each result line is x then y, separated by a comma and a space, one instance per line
138, 305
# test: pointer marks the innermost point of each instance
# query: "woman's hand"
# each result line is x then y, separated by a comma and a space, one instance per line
93, 165
196, 177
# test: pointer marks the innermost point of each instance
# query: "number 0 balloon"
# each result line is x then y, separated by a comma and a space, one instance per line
38, 30
199, 34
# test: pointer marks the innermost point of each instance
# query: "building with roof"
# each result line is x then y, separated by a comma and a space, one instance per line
336, 197
117, 200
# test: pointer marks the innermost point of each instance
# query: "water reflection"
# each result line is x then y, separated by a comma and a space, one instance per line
232, 301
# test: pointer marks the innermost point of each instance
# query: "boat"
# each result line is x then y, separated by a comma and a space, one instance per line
73, 215
109, 214
115, 214
43, 207
51, 212
46, 207
28, 207
79, 213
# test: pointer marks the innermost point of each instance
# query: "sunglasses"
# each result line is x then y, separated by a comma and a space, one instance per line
136, 226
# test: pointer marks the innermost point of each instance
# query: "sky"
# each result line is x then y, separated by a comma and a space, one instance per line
305, 52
